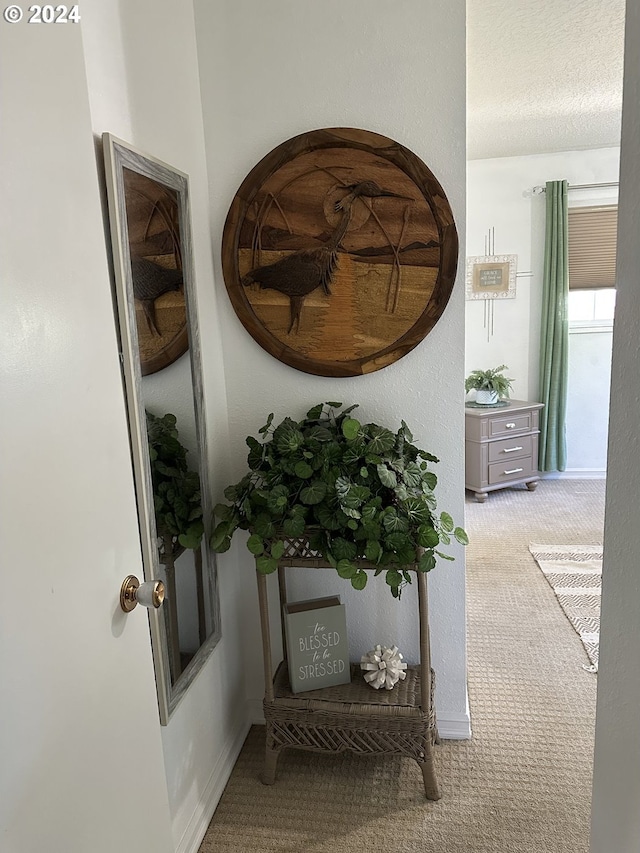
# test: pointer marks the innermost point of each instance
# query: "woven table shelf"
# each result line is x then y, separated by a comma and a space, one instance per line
351, 716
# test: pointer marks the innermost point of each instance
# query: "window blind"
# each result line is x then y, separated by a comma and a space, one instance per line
592, 246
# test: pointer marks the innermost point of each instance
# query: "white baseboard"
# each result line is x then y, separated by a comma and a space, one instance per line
576, 474
201, 818
455, 728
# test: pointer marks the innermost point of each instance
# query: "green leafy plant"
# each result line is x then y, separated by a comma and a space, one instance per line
489, 380
176, 488
356, 491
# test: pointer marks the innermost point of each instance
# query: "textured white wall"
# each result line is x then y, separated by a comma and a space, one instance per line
616, 787
268, 72
144, 87
499, 197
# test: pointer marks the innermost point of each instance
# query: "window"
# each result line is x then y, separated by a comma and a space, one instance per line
592, 247
591, 310
592, 267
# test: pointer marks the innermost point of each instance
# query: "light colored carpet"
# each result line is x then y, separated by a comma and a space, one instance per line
522, 785
575, 575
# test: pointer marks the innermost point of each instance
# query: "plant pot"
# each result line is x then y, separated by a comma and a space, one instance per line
486, 397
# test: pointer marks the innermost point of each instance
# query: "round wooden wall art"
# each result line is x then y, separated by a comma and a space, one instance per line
155, 251
339, 252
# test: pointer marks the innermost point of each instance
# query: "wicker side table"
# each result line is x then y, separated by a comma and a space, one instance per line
350, 716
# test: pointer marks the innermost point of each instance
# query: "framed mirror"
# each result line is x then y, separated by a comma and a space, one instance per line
159, 340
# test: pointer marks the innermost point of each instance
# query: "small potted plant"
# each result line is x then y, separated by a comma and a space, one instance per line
490, 385
355, 492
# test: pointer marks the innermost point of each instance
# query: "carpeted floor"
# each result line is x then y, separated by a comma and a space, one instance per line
522, 785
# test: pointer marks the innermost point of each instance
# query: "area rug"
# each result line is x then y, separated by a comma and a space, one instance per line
575, 575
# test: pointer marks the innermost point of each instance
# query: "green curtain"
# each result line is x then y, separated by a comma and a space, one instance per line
554, 331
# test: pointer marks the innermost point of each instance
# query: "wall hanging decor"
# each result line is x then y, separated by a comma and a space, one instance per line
339, 252
152, 212
490, 277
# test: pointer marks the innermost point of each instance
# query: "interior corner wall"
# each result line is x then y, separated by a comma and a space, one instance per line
616, 783
500, 198
270, 71
144, 88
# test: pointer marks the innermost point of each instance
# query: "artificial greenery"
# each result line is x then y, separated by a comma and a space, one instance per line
176, 488
357, 491
489, 380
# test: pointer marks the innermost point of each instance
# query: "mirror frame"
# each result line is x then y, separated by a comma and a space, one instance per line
117, 156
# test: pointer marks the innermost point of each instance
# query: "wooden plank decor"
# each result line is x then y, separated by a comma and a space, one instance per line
153, 226
339, 252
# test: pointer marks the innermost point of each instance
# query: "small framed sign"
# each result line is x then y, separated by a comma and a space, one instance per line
491, 277
317, 648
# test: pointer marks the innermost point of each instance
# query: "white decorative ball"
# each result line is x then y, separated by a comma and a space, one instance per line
383, 667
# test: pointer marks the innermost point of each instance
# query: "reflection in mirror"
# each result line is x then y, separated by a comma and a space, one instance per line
150, 230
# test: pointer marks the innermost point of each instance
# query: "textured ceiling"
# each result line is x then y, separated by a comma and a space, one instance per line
543, 75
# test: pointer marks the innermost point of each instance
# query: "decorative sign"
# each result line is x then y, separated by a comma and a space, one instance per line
317, 649
491, 277
339, 252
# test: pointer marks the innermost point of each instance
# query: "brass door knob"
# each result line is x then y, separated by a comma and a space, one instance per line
132, 593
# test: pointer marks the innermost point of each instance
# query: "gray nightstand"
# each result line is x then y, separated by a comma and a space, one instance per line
501, 447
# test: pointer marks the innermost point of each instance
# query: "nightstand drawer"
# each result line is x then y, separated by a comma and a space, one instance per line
509, 425
510, 448
518, 469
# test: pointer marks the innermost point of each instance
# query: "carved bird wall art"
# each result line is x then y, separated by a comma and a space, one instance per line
339, 251
303, 271
150, 281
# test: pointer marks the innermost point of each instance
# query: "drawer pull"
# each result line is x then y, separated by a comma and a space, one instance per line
512, 449
514, 471
510, 426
